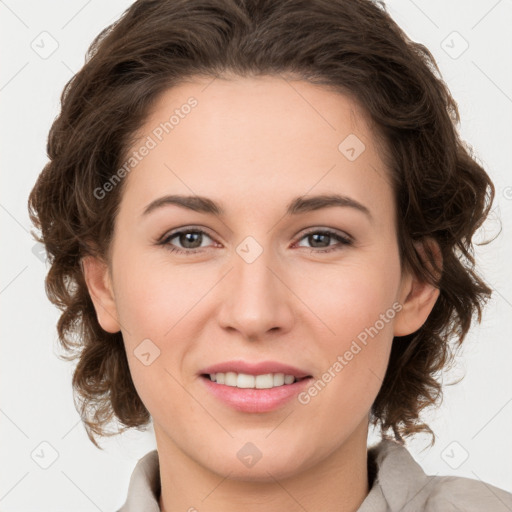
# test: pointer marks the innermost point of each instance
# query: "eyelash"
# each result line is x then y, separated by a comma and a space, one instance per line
344, 241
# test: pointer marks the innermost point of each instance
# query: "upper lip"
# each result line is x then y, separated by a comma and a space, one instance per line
260, 368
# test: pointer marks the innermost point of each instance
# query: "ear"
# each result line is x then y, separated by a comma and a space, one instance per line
417, 297
99, 283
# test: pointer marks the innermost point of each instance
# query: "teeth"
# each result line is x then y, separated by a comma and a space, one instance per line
244, 380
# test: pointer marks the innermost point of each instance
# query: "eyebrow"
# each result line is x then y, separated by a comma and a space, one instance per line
295, 207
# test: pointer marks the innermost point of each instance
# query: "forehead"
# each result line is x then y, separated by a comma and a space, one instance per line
262, 139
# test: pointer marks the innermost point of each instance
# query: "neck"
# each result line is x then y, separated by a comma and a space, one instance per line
336, 483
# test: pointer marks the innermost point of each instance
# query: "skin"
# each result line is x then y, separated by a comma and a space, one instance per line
252, 145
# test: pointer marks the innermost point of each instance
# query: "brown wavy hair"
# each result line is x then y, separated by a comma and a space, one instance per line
352, 46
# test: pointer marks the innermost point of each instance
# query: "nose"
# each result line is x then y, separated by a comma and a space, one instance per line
257, 300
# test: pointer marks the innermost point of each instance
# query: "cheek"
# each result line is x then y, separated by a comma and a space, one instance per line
163, 303
353, 296
357, 302
152, 295
155, 305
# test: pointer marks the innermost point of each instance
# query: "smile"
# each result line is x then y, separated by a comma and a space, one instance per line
246, 381
251, 399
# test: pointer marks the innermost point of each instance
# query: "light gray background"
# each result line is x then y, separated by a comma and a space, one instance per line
475, 418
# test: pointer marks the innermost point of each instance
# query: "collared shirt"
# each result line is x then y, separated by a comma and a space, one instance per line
398, 483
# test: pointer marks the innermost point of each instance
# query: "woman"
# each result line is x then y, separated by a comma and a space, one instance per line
260, 216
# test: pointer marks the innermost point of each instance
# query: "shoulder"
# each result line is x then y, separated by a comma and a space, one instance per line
144, 486
405, 486
468, 494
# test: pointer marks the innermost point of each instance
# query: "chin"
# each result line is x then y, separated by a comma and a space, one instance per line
251, 464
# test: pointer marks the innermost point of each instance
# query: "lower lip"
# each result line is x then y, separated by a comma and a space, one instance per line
255, 400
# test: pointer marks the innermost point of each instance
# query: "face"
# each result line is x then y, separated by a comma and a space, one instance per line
284, 253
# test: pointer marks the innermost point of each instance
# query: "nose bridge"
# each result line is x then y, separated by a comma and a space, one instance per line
257, 300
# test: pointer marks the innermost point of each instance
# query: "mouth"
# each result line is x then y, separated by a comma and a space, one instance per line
254, 387
254, 393
248, 381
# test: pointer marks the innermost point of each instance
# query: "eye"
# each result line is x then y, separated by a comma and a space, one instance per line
190, 240
320, 240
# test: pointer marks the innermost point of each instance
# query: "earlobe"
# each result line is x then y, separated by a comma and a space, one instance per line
417, 297
99, 284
